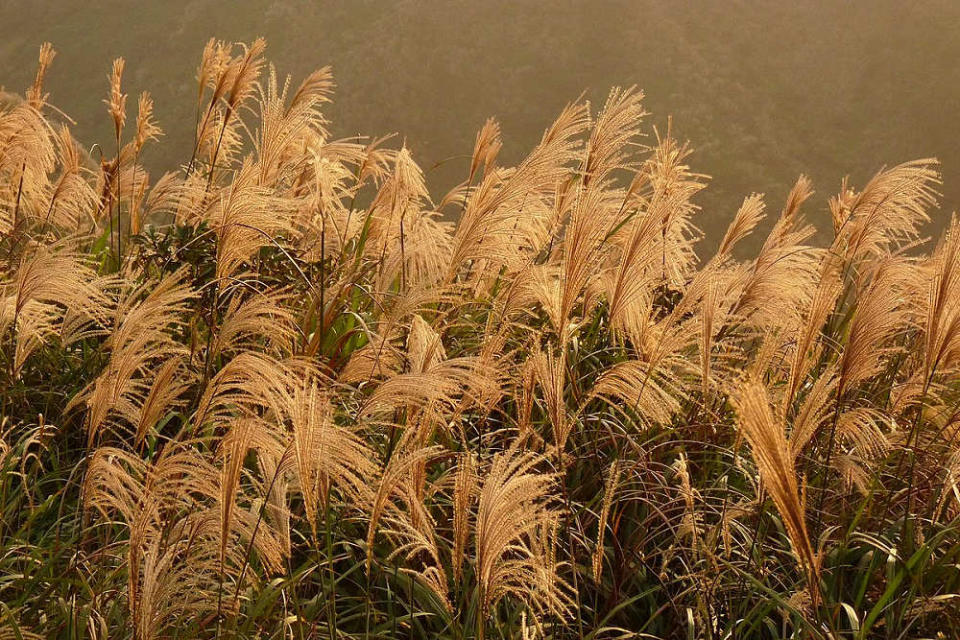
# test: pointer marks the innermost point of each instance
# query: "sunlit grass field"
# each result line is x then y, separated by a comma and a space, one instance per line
285, 390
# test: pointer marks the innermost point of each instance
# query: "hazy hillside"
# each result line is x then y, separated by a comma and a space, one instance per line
764, 90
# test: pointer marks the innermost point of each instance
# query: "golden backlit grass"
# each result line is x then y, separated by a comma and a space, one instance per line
281, 391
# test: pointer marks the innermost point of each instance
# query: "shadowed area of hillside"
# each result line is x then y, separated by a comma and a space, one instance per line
763, 91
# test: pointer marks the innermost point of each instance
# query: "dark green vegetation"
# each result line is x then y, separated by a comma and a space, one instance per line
281, 392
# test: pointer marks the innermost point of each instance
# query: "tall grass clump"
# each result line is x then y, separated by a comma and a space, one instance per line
284, 391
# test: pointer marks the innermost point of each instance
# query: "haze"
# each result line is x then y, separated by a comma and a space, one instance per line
764, 91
